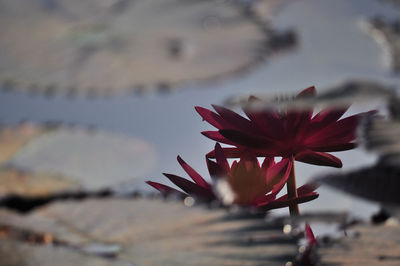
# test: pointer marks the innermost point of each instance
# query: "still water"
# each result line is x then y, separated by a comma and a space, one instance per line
332, 48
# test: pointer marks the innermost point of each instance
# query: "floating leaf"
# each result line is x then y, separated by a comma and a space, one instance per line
64, 159
373, 245
153, 232
101, 47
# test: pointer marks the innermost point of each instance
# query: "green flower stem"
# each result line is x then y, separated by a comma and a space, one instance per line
292, 191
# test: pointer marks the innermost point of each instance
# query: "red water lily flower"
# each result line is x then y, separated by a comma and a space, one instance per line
251, 183
295, 133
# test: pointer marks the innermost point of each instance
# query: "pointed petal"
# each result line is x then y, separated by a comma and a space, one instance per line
215, 170
267, 163
325, 118
193, 174
307, 189
237, 152
220, 157
310, 235
229, 153
341, 131
164, 189
189, 187
234, 119
212, 118
336, 147
297, 121
267, 122
247, 140
282, 203
305, 193
277, 170
319, 158
278, 175
308, 92
215, 135
249, 160
253, 98
234, 166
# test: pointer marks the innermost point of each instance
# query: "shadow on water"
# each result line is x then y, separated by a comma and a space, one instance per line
333, 48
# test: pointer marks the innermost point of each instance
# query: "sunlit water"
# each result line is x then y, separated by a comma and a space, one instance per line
332, 48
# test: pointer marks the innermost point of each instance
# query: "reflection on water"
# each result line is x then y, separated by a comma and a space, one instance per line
332, 48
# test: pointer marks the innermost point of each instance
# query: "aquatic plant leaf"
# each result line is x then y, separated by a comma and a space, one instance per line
90, 48
152, 232
92, 159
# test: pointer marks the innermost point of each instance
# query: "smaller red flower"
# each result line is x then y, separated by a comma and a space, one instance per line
284, 133
251, 183
308, 256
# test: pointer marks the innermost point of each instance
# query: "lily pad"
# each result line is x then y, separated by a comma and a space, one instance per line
92, 159
102, 47
14, 138
14, 253
24, 184
375, 245
155, 232
387, 34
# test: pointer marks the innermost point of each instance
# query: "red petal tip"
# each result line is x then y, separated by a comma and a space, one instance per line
308, 92
310, 235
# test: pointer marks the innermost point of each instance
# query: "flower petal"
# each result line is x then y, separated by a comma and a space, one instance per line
229, 152
278, 175
247, 140
310, 235
220, 157
268, 162
308, 92
335, 147
236, 152
164, 189
266, 120
325, 118
319, 158
215, 135
343, 130
282, 203
212, 118
297, 121
307, 189
189, 187
215, 170
277, 171
305, 193
193, 174
234, 119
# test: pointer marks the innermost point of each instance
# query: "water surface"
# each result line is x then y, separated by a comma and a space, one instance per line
332, 48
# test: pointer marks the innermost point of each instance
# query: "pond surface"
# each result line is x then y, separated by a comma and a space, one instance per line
332, 48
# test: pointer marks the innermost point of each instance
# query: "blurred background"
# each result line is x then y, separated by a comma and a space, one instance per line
100, 95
